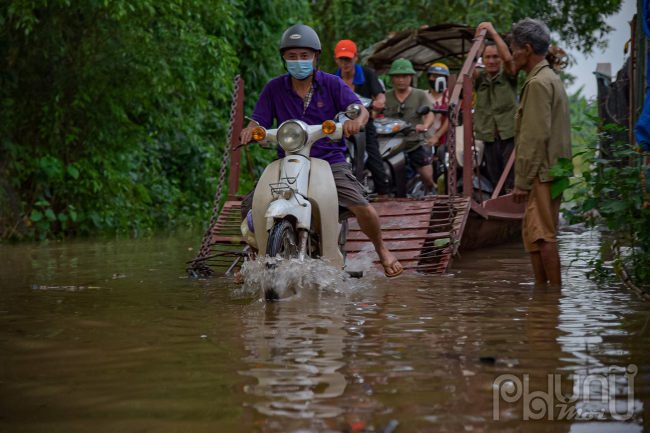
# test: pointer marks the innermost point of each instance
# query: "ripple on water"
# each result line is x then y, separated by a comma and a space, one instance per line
159, 352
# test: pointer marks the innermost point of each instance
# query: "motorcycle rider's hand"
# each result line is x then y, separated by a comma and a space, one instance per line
433, 141
420, 128
519, 195
378, 106
246, 135
351, 127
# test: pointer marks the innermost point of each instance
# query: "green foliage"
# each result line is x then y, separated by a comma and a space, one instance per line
614, 191
112, 110
561, 173
579, 24
115, 113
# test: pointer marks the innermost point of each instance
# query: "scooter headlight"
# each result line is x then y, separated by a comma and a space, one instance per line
292, 135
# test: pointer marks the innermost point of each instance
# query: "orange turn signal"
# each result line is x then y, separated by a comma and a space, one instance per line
259, 133
329, 127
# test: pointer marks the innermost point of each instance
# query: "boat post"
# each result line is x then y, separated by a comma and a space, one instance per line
235, 156
468, 134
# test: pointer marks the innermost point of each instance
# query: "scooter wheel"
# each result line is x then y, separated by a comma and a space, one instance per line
283, 240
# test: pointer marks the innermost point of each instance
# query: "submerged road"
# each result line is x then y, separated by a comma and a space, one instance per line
110, 336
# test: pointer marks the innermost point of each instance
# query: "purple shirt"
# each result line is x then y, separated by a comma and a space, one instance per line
280, 102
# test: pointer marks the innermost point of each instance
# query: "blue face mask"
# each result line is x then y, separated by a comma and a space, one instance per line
300, 69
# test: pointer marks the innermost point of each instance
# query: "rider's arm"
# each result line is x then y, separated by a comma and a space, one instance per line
247, 133
502, 49
351, 127
262, 115
428, 121
379, 102
377, 92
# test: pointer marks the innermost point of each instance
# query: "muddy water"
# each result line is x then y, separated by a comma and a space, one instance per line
109, 336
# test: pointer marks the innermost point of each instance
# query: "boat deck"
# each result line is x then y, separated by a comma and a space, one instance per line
415, 230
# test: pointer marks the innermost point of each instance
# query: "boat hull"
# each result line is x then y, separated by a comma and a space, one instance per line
484, 233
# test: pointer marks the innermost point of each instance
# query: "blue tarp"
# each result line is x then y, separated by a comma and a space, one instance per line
642, 129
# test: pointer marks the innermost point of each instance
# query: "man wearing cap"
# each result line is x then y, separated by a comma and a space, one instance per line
438, 95
496, 106
402, 102
363, 81
310, 95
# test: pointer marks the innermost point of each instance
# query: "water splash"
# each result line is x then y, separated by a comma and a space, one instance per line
363, 262
290, 278
295, 278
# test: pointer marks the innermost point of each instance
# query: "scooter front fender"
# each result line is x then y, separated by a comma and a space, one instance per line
300, 209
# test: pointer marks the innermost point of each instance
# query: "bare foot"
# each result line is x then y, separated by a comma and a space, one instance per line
392, 267
239, 278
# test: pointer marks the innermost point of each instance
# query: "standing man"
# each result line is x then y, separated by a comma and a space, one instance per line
364, 81
496, 104
402, 102
542, 135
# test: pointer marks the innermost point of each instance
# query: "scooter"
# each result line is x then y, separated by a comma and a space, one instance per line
392, 134
297, 216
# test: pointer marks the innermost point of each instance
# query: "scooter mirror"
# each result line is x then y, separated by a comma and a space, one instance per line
423, 110
353, 111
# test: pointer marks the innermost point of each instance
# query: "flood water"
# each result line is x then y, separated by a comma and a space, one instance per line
110, 336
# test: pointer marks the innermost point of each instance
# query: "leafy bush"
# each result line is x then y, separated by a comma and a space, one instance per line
115, 113
614, 191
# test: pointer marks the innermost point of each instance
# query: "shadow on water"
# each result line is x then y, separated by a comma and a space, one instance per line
149, 350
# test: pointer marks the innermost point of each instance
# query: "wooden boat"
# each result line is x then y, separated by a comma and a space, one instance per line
494, 221
424, 233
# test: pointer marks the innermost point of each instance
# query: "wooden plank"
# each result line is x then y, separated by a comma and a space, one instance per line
504, 175
398, 236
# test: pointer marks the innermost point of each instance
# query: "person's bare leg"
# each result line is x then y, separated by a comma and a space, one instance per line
426, 174
369, 225
551, 261
538, 267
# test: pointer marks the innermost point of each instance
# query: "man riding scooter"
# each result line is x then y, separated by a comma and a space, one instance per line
314, 97
402, 102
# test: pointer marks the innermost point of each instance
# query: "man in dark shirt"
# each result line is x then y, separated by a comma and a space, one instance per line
310, 95
363, 81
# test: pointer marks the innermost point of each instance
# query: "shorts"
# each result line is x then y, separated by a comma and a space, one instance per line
349, 190
541, 218
421, 157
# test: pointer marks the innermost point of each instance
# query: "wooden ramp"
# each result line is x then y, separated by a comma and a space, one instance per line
227, 245
410, 228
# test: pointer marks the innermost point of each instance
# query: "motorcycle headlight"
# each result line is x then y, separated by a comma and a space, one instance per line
292, 135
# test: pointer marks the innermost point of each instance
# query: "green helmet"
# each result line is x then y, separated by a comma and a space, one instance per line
401, 67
